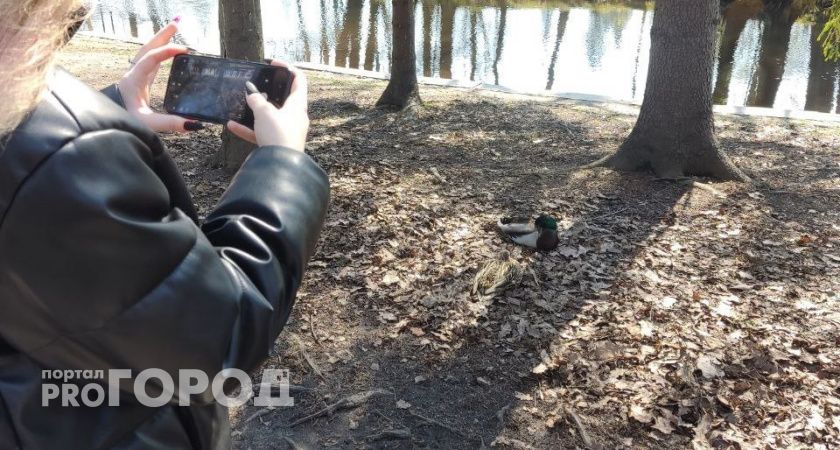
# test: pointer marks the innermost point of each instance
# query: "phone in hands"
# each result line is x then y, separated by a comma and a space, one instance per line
212, 89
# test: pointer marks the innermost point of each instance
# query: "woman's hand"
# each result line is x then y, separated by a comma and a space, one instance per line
135, 87
286, 126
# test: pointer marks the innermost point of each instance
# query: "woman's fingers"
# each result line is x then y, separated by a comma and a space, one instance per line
298, 96
160, 39
165, 123
242, 131
151, 61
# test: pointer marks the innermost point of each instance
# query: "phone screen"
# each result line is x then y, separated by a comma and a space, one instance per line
213, 89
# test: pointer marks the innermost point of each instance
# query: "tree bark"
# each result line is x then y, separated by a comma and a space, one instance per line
240, 27
402, 90
674, 135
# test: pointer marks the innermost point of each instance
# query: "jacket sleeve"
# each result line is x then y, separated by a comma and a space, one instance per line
104, 274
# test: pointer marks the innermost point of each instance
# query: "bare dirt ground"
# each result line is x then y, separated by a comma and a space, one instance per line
673, 315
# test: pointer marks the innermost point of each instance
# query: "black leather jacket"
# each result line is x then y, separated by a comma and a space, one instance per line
103, 265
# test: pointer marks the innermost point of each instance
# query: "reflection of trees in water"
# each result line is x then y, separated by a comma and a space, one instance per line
447, 31
303, 36
777, 17
635, 83
595, 39
376, 9
735, 18
428, 12
349, 39
821, 76
325, 47
500, 38
473, 18
562, 19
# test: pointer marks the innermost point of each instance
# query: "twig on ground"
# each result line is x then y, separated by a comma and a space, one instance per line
705, 187
293, 388
437, 175
435, 422
306, 357
349, 402
500, 414
536, 280
292, 444
390, 434
312, 330
515, 443
259, 413
587, 441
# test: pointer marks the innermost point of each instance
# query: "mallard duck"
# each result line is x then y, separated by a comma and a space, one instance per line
497, 276
540, 234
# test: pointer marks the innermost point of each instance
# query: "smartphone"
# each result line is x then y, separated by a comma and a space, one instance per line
212, 89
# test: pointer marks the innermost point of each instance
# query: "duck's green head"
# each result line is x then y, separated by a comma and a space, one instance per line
546, 222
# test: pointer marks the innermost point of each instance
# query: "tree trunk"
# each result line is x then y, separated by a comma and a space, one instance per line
240, 27
674, 135
402, 90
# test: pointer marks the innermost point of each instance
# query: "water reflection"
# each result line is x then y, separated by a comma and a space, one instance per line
767, 56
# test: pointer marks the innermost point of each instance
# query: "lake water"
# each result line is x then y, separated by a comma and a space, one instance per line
765, 58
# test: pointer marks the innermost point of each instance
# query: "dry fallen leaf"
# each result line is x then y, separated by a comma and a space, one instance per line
402, 404
708, 366
640, 414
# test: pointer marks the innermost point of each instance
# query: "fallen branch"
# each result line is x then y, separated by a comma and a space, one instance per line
307, 358
587, 441
259, 413
349, 402
515, 443
437, 175
312, 330
500, 414
274, 387
294, 445
390, 434
435, 422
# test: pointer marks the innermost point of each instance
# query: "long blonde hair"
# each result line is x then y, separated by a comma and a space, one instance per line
30, 33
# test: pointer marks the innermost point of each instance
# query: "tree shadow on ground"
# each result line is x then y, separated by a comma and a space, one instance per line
473, 359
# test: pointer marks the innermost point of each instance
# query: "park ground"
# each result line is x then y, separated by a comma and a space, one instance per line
673, 314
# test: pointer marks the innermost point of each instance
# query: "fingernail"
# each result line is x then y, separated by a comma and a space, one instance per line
177, 19
251, 88
193, 126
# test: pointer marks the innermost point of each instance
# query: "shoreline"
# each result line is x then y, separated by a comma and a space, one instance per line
745, 111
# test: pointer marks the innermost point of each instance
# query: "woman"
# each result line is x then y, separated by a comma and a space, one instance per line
103, 264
